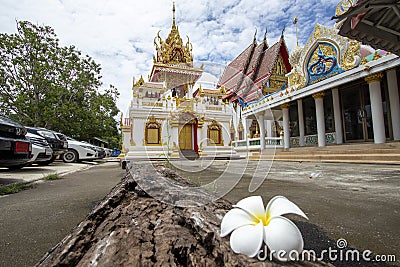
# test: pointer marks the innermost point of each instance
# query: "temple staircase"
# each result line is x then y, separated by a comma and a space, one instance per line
388, 153
188, 154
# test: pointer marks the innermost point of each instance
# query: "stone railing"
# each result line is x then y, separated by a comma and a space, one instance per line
254, 143
312, 140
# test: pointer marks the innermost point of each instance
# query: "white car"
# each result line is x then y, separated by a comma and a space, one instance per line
41, 150
78, 151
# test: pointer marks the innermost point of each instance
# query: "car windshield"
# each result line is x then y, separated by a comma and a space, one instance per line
46, 133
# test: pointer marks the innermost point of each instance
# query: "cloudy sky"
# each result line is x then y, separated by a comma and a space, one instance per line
119, 34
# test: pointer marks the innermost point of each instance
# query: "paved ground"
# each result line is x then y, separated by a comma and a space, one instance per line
34, 173
360, 203
35, 220
357, 202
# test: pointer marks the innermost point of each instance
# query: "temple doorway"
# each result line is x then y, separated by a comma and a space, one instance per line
357, 115
185, 137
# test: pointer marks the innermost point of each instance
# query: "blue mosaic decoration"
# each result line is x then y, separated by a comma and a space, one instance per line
323, 63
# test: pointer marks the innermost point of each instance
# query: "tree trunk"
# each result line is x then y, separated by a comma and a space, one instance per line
130, 228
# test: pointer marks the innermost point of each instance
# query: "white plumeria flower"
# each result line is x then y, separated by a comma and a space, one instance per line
252, 225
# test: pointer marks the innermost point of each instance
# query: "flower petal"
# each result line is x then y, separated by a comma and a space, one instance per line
247, 239
253, 205
281, 234
280, 205
233, 219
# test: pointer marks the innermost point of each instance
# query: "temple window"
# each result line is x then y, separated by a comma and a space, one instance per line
294, 122
153, 132
215, 133
310, 120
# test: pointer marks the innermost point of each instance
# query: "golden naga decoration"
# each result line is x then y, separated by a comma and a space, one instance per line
352, 57
343, 6
172, 50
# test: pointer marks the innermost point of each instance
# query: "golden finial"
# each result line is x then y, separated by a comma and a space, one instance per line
173, 14
297, 35
265, 36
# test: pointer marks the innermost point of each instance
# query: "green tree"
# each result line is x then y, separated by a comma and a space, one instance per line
46, 85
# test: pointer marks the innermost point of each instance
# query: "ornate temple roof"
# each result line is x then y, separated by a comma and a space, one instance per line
247, 74
172, 50
173, 62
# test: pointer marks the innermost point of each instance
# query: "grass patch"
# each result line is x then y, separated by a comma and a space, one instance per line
14, 188
53, 176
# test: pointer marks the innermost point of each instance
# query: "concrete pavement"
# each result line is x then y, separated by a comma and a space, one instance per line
357, 202
35, 220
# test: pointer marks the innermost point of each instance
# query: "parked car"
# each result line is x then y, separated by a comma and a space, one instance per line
108, 152
15, 148
116, 152
58, 146
78, 151
101, 153
41, 150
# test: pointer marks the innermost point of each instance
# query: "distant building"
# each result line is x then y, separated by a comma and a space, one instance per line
178, 112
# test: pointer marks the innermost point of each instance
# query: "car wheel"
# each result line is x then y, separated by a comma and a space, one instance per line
70, 156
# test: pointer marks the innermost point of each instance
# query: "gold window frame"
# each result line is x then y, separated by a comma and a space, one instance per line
212, 128
152, 128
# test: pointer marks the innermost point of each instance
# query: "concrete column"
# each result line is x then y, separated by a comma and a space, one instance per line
338, 116
319, 111
393, 89
301, 121
378, 123
246, 131
261, 124
286, 128
269, 128
175, 139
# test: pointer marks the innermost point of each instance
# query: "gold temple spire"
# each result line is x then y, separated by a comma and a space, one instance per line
173, 50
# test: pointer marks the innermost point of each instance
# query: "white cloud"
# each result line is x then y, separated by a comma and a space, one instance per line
119, 34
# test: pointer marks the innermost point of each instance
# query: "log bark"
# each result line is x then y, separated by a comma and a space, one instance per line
131, 228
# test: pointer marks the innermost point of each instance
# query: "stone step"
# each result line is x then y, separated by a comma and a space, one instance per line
388, 153
366, 158
188, 154
344, 152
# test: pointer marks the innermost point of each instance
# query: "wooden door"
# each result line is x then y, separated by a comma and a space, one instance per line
185, 137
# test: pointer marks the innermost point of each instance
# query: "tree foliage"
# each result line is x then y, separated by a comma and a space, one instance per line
44, 84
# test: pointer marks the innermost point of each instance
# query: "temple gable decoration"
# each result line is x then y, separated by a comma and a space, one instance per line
325, 54
323, 62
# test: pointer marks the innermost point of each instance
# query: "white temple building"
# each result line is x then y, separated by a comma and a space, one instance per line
178, 112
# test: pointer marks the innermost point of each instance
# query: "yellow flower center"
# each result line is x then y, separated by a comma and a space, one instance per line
264, 218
